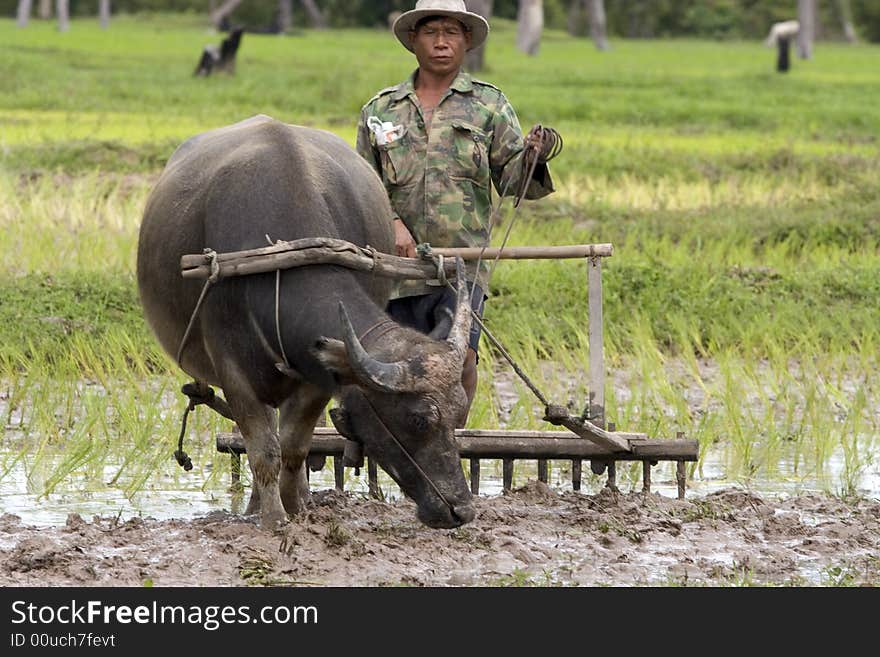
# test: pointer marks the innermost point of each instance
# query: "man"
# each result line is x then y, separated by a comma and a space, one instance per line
440, 141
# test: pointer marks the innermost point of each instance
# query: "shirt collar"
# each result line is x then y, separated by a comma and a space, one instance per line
463, 83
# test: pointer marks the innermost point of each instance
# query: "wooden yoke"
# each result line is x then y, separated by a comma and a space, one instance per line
325, 250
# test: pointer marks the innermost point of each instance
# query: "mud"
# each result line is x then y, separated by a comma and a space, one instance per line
533, 536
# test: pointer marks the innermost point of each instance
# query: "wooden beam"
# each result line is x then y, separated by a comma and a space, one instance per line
325, 250
475, 476
507, 473
499, 444
596, 338
611, 441
528, 252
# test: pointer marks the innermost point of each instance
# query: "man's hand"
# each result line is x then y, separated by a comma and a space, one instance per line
404, 244
543, 143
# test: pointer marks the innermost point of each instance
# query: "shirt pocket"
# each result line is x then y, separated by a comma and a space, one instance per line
470, 153
398, 166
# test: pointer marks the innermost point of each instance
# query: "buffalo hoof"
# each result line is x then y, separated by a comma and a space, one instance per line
273, 522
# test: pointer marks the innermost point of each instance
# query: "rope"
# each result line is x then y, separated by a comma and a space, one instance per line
183, 459
555, 149
424, 249
278, 317
543, 134
409, 456
278, 309
213, 278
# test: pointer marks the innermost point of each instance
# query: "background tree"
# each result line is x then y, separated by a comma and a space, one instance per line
104, 12
317, 19
474, 60
807, 20
699, 19
844, 13
285, 15
598, 29
221, 14
62, 8
866, 15
23, 14
529, 25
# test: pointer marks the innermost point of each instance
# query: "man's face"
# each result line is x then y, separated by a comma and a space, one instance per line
440, 45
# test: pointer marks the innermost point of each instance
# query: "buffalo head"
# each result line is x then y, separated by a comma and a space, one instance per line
404, 411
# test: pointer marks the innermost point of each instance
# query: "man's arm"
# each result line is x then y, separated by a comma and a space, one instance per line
507, 157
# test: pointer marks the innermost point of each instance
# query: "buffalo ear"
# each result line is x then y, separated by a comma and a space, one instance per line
333, 355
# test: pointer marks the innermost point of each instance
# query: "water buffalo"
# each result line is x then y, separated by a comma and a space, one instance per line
400, 391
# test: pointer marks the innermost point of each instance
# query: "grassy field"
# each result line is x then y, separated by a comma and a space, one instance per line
741, 304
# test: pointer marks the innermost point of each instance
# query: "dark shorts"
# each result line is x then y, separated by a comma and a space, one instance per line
435, 310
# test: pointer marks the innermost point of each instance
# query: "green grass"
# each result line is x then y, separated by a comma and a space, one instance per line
741, 304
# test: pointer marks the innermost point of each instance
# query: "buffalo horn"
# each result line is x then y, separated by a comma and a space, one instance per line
461, 325
390, 377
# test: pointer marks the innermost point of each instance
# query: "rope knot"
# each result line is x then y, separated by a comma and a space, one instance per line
183, 460
373, 255
211, 254
441, 270
555, 414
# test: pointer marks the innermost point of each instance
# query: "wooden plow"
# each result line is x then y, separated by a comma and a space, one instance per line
603, 446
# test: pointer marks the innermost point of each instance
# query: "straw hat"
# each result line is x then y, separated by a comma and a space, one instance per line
453, 8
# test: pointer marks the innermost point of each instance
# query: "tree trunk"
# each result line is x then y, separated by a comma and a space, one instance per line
474, 60
63, 10
219, 14
596, 12
316, 18
529, 25
574, 21
844, 11
285, 15
104, 12
44, 9
24, 13
807, 20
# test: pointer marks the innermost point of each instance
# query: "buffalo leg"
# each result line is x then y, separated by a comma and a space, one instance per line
299, 414
258, 425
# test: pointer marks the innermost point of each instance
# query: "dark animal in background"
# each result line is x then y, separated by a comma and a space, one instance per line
780, 36
782, 58
220, 58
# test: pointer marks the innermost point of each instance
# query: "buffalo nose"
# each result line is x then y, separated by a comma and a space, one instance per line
465, 512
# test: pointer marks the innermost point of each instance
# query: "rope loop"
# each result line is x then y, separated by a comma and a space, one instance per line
441, 270
373, 254
211, 254
183, 459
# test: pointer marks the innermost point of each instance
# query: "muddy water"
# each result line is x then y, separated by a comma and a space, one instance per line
172, 493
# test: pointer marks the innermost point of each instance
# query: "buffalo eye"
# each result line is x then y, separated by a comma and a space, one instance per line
418, 423
424, 417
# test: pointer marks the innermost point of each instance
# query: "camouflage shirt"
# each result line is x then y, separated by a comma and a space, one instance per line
440, 181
